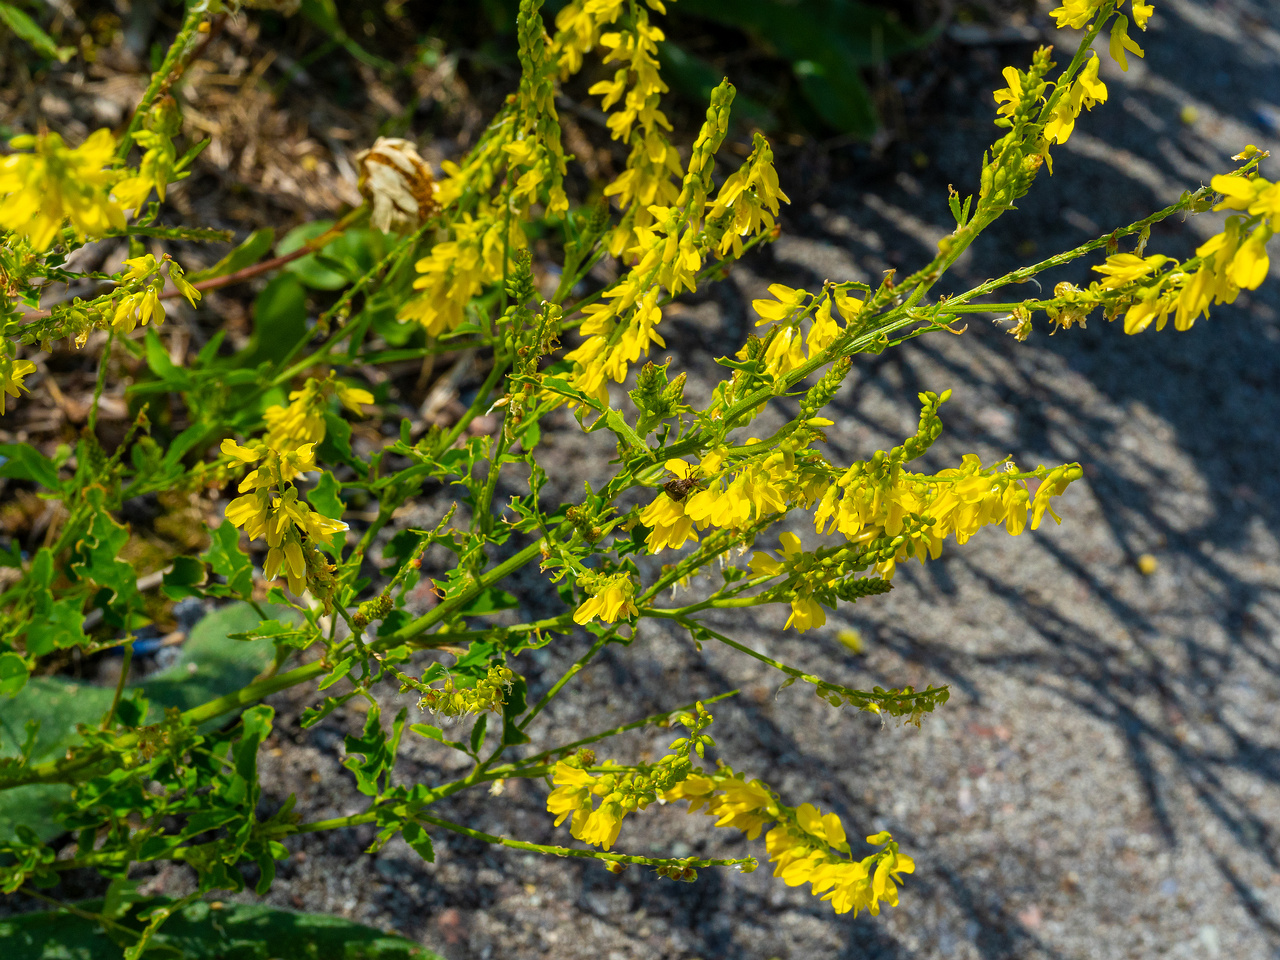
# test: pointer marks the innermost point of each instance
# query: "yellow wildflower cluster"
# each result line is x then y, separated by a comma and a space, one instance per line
270, 506
1150, 289
47, 183
622, 791
805, 846
54, 183
610, 598
143, 282
666, 256
786, 346
488, 694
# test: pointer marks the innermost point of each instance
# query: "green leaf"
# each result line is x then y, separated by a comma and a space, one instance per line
20, 461
57, 624
55, 706
245, 255
279, 321
234, 931
478, 731
489, 600
27, 29
324, 497
13, 674
187, 574
336, 445
173, 377
419, 840
309, 270
99, 553
228, 560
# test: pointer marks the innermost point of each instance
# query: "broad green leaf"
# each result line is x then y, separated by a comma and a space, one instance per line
232, 931
13, 675
279, 321
21, 461
213, 663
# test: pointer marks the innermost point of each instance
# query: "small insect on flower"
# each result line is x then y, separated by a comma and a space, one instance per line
679, 487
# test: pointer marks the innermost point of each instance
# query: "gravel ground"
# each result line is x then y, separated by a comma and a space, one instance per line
1105, 781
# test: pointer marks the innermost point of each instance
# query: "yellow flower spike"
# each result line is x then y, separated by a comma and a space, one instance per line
1122, 42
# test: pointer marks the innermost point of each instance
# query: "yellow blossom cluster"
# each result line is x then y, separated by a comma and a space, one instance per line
804, 845
45, 183
270, 506
143, 279
1150, 289
53, 183
667, 256
610, 600
621, 791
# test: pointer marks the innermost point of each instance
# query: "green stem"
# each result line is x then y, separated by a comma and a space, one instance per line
102, 381
170, 69
573, 852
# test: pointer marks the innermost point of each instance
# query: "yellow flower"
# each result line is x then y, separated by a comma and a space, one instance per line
1121, 42
138, 308
610, 600
602, 825
806, 613
889, 868
572, 794
1142, 13
1249, 266
1075, 13
670, 525
1009, 97
12, 373
54, 183
244, 454
1123, 268
786, 301
353, 397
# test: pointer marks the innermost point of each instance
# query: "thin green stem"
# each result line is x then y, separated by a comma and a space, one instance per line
573, 852
102, 381
170, 70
